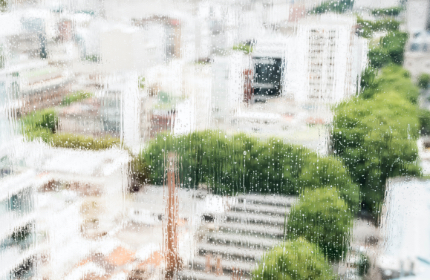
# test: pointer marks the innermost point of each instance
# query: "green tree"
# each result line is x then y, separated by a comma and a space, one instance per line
363, 265
393, 78
394, 42
139, 173
424, 80
240, 163
378, 57
389, 50
322, 217
424, 120
376, 138
368, 77
294, 260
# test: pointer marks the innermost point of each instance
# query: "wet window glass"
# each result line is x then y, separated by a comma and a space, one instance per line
215, 139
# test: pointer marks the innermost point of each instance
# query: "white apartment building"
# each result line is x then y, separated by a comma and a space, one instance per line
325, 59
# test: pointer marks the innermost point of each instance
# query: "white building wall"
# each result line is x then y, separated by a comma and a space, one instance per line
417, 14
131, 111
227, 84
375, 4
127, 84
297, 85
323, 60
130, 48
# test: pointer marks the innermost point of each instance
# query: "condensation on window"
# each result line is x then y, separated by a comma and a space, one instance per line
215, 139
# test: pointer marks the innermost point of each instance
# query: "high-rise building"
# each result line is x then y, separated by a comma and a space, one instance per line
325, 59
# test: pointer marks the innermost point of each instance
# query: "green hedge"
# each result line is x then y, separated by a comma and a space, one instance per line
242, 163
73, 141
246, 48
322, 217
294, 260
75, 97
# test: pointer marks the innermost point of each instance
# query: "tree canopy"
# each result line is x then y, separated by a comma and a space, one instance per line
240, 163
376, 137
294, 260
322, 217
424, 80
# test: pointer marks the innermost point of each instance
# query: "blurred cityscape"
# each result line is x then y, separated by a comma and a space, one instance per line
88, 89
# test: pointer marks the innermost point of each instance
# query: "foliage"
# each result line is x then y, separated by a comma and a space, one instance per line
139, 172
393, 11
43, 123
368, 77
389, 50
73, 141
92, 58
141, 83
75, 97
246, 48
40, 123
294, 260
321, 217
368, 27
424, 120
375, 134
424, 80
393, 78
394, 43
377, 139
339, 6
378, 57
241, 163
363, 265
3, 5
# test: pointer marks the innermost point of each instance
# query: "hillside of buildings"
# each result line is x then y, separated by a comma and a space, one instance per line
247, 139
